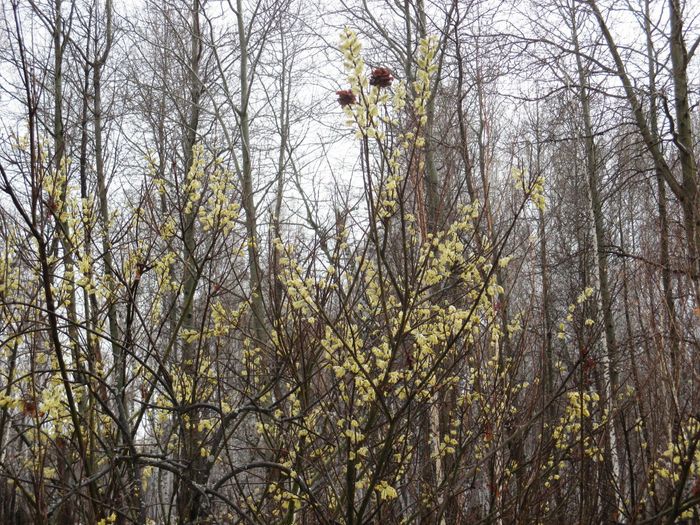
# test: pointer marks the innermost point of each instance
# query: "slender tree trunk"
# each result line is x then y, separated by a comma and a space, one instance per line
285, 93
609, 343
188, 497
246, 174
663, 214
684, 138
65, 512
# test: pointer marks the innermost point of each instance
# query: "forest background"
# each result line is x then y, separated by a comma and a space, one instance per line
412, 261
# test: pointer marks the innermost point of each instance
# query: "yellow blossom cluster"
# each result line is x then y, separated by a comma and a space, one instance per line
571, 431
582, 297
534, 189
680, 460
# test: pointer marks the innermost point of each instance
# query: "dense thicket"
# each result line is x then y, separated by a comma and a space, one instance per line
265, 261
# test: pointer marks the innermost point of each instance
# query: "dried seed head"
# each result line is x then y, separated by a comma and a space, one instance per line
381, 77
345, 97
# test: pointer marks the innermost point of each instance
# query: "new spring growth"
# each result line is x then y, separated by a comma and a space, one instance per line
359, 107
582, 297
534, 190
352, 60
426, 69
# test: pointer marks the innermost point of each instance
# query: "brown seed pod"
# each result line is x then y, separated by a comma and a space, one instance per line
381, 77
345, 97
